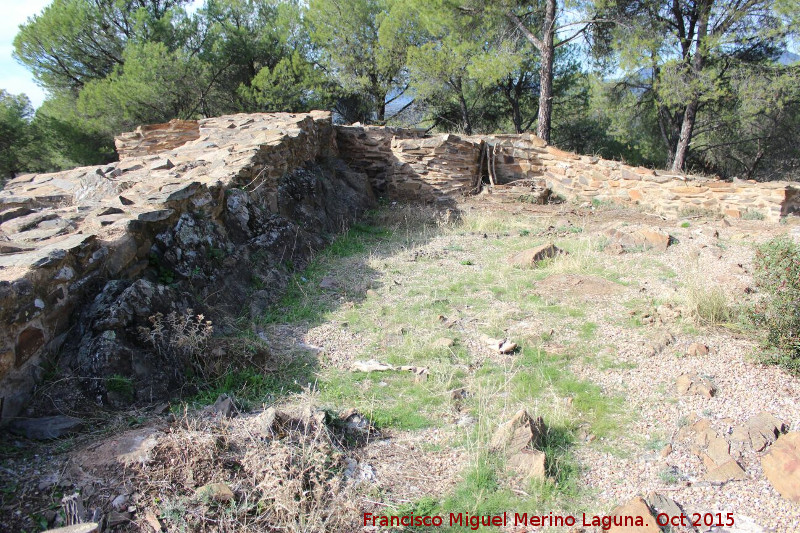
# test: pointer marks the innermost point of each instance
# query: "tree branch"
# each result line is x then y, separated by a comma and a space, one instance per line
579, 32
535, 41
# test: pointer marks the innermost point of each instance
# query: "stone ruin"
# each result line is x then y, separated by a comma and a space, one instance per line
408, 164
195, 211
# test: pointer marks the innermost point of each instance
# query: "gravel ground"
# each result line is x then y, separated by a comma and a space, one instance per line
745, 389
622, 353
631, 463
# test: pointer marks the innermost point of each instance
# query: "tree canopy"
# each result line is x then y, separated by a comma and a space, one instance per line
710, 85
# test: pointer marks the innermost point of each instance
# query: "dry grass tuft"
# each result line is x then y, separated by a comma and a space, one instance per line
286, 474
706, 301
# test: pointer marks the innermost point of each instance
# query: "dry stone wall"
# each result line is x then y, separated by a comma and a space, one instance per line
405, 164
409, 165
590, 178
587, 178
154, 138
87, 255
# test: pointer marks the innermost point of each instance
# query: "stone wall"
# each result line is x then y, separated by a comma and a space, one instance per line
154, 138
86, 255
589, 178
405, 164
409, 165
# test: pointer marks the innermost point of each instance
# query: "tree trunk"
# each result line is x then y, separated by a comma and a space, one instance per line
547, 49
516, 116
690, 114
682, 150
381, 107
512, 94
546, 72
462, 102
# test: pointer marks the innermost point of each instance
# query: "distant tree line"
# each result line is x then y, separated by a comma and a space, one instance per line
694, 85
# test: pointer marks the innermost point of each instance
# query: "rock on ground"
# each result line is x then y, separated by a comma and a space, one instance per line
781, 466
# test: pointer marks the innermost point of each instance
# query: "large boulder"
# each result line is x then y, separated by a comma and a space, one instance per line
781, 466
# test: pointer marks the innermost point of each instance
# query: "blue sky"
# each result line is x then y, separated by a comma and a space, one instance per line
14, 78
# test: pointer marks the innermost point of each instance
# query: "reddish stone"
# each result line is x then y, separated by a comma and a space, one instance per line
28, 343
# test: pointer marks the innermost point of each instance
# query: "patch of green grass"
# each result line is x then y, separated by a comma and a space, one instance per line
560, 310
656, 444
685, 224
355, 240
482, 490
174, 511
605, 203
569, 229
257, 283
588, 330
304, 300
637, 249
401, 327
121, 385
609, 363
389, 399
538, 373
250, 388
669, 476
600, 243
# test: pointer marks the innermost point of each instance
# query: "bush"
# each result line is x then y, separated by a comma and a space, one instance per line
777, 274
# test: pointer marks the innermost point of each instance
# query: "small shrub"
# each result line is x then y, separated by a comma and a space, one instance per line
669, 476
752, 214
166, 276
696, 212
180, 338
711, 306
777, 275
